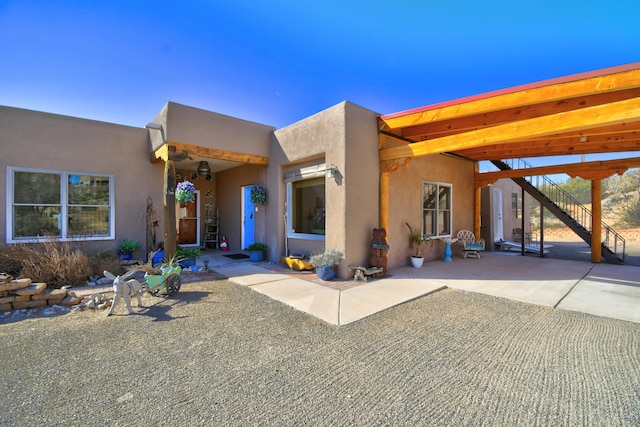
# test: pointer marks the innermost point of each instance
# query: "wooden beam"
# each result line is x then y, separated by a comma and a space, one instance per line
526, 149
596, 221
384, 202
393, 165
161, 153
602, 169
170, 229
464, 124
598, 175
509, 133
477, 208
521, 98
219, 154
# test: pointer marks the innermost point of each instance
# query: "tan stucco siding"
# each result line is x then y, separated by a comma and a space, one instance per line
362, 186
405, 202
320, 139
202, 128
345, 137
48, 141
229, 201
507, 187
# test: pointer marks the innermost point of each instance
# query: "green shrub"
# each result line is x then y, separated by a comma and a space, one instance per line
127, 246
256, 247
186, 253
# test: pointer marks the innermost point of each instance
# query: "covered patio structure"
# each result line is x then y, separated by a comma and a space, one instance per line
596, 112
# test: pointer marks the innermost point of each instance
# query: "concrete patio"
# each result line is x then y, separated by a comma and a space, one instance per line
600, 289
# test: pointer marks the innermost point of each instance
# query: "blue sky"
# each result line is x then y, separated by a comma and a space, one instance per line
276, 62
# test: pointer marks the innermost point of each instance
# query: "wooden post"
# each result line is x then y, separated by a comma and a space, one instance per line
596, 220
541, 231
522, 223
477, 205
170, 230
384, 201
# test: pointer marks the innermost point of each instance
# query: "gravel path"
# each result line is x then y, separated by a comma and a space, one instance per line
221, 354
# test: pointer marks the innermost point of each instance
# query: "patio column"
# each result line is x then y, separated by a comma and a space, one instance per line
384, 201
477, 202
386, 169
596, 220
170, 230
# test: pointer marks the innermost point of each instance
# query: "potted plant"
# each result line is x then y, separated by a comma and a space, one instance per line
185, 192
415, 241
256, 251
258, 195
158, 255
325, 263
187, 256
126, 247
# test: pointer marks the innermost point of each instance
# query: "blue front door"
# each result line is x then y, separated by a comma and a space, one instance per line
248, 212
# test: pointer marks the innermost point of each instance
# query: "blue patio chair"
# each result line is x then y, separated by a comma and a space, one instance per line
469, 245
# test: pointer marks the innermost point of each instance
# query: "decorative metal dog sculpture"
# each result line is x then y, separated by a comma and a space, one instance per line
125, 288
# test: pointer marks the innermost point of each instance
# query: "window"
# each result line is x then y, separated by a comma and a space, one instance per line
516, 206
306, 208
436, 209
59, 205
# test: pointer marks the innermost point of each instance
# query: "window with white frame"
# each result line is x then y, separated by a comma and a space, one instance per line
516, 206
59, 205
436, 209
306, 208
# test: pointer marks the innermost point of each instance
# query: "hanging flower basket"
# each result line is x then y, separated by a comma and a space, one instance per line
258, 195
185, 192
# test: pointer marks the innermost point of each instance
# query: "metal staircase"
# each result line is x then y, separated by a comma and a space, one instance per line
566, 208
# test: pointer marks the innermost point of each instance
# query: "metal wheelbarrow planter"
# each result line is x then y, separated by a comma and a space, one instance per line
169, 281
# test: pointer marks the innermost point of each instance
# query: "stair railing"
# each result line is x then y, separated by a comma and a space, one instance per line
576, 210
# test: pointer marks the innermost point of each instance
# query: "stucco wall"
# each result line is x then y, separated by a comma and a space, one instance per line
507, 186
362, 185
405, 203
49, 141
229, 200
343, 136
212, 130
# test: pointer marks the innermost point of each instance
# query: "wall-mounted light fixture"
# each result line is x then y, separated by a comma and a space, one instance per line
203, 168
583, 138
332, 172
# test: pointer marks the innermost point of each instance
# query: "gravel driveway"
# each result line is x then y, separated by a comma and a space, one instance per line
221, 354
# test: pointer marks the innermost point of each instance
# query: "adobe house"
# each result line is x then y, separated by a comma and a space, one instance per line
330, 178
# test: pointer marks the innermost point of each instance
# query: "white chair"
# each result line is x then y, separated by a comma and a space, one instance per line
469, 245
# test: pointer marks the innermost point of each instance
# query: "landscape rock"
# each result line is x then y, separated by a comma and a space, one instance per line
21, 298
70, 300
50, 294
29, 304
32, 289
104, 281
15, 284
55, 310
7, 300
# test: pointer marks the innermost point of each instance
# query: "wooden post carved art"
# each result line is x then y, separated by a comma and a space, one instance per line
379, 249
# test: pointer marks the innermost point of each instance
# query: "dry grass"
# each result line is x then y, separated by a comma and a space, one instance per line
57, 263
